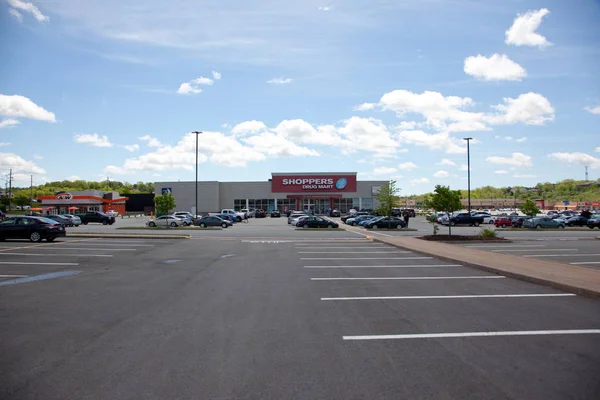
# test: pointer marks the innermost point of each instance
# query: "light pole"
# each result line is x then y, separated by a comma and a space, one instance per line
196, 203
468, 139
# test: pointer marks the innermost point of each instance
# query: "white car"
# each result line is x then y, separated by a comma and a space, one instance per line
112, 213
165, 220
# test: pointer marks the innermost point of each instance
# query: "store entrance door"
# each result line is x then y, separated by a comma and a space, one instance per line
317, 206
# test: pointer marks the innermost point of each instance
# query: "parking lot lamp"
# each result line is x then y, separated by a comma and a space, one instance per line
196, 203
468, 172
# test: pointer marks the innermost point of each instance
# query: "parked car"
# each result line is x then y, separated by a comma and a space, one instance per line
542, 222
385, 222
410, 211
487, 217
517, 222
357, 220
32, 228
74, 219
112, 213
249, 212
503, 222
298, 217
183, 214
275, 214
227, 217
577, 221
260, 214
165, 220
295, 214
96, 216
316, 222
334, 213
593, 222
465, 219
60, 219
212, 220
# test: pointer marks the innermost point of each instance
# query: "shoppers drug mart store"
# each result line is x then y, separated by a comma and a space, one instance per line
317, 192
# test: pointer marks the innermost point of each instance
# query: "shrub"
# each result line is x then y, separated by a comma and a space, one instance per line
488, 233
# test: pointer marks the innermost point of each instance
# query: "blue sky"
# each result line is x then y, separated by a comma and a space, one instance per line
387, 88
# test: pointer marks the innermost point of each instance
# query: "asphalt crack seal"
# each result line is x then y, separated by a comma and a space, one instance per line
226, 256
170, 261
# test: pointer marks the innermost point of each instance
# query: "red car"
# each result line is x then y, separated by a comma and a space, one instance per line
503, 222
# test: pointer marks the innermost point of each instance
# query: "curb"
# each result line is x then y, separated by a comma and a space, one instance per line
125, 236
532, 279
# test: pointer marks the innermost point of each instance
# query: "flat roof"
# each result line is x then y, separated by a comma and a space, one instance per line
311, 173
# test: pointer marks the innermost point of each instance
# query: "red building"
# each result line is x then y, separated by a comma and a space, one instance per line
79, 202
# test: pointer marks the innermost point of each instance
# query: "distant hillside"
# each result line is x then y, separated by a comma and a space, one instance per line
123, 188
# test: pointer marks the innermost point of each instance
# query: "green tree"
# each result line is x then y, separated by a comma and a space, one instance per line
5, 201
387, 198
445, 200
164, 203
529, 208
22, 199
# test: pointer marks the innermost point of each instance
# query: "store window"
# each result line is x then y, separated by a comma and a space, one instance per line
367, 203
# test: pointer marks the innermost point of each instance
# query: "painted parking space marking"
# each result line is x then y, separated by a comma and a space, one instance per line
85, 248
475, 296
503, 246
369, 258
409, 278
343, 247
585, 263
475, 334
562, 255
14, 276
356, 252
112, 244
385, 266
42, 277
515, 251
36, 263
55, 255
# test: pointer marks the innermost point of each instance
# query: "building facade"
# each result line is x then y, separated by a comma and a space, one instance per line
318, 192
80, 202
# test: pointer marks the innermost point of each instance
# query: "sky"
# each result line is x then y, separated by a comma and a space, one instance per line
113, 89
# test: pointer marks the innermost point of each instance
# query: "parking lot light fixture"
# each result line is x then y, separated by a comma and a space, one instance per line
468, 139
196, 203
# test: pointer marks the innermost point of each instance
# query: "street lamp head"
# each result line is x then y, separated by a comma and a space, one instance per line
468, 138
197, 132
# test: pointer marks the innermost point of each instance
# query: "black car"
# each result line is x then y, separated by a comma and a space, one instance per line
593, 223
386, 222
275, 214
517, 222
260, 214
334, 213
212, 220
577, 221
316, 222
61, 220
32, 228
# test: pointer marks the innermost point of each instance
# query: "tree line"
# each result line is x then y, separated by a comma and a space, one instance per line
50, 188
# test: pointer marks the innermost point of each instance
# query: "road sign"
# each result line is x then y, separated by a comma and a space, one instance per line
166, 190
566, 202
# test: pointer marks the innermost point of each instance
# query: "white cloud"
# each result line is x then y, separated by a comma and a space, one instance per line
441, 174
17, 15
521, 139
446, 161
501, 172
187, 88
498, 67
131, 147
529, 108
516, 160
365, 107
407, 166
384, 171
29, 8
523, 30
38, 157
300, 131
524, 176
21, 106
438, 141
216, 75
93, 139
275, 145
280, 81
73, 178
582, 159
418, 181
246, 127
151, 142
407, 125
8, 123
464, 167
364, 134
19, 165
598, 149
324, 8
4, 144
202, 81
510, 138
593, 110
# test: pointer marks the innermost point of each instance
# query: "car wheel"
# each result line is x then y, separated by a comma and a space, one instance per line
354, 224
330, 226
202, 225
85, 223
35, 237
591, 227
476, 224
305, 226
174, 224
538, 226
561, 226
399, 226
452, 223
152, 224
491, 222
504, 225
50, 239
104, 222
374, 227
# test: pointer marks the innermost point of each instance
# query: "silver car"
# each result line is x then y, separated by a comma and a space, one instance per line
165, 220
73, 218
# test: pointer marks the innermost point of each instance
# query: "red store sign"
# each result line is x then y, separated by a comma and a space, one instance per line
313, 183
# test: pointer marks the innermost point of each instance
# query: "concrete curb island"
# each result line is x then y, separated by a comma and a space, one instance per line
571, 278
127, 236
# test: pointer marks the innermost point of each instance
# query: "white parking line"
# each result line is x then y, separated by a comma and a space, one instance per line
483, 296
384, 266
342, 247
514, 251
367, 258
356, 252
55, 255
474, 334
80, 248
585, 263
484, 246
35, 263
14, 276
111, 244
556, 255
409, 278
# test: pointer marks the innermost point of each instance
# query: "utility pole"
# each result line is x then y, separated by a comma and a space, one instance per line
469, 171
196, 204
31, 188
9, 188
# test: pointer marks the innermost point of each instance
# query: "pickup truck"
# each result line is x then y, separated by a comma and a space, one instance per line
465, 219
96, 216
237, 215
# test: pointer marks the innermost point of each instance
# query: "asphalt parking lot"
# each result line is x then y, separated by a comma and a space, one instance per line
583, 253
291, 317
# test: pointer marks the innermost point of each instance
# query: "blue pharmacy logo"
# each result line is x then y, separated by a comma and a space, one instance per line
341, 183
